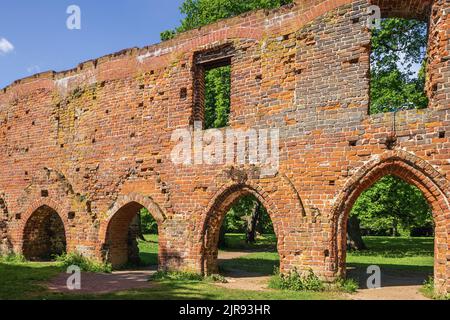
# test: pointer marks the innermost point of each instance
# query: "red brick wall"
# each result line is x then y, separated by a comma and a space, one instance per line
88, 141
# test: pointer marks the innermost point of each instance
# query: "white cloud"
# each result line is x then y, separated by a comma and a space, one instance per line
5, 46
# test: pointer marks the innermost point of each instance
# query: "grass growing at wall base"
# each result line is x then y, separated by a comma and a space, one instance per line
85, 264
428, 291
309, 282
186, 276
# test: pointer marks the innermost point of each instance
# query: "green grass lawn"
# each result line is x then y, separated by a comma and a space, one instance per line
263, 263
236, 242
412, 254
27, 280
149, 250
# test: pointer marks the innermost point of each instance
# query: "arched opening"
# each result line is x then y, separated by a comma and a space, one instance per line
391, 226
418, 176
132, 237
44, 235
240, 238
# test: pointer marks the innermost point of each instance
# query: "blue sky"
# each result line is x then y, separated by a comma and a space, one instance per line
34, 36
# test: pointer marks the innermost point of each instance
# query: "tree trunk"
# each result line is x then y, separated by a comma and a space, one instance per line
132, 244
395, 228
222, 243
253, 222
354, 238
137, 221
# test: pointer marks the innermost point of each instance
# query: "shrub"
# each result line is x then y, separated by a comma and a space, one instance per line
216, 278
428, 290
186, 276
177, 276
85, 264
346, 285
296, 281
13, 258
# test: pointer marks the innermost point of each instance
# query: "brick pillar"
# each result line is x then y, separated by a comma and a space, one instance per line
438, 86
5, 244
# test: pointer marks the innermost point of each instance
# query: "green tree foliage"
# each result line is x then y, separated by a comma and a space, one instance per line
236, 222
217, 97
148, 223
398, 48
392, 204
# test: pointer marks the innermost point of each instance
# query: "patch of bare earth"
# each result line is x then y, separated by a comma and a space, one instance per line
242, 280
96, 283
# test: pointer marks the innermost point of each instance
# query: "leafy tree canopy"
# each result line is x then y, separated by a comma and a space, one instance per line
398, 50
392, 204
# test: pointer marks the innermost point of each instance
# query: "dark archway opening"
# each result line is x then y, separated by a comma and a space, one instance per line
391, 226
44, 235
132, 238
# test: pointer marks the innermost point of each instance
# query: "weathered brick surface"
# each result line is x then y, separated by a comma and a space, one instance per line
94, 143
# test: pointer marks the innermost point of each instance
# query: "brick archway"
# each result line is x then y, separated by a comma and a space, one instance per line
414, 171
215, 215
43, 231
114, 230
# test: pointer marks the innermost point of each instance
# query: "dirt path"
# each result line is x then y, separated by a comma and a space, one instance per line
239, 279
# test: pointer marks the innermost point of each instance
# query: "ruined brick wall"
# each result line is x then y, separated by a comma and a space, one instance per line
5, 243
94, 140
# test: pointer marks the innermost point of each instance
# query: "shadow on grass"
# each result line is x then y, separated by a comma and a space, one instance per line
236, 242
149, 260
392, 275
253, 264
165, 290
389, 247
25, 280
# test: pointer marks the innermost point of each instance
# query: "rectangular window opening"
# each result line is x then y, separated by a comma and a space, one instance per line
398, 63
213, 87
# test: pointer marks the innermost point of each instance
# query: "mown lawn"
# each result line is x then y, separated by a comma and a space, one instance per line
412, 254
236, 242
27, 280
149, 250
